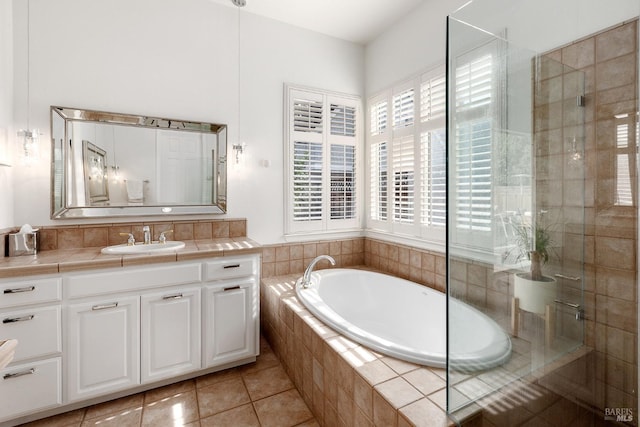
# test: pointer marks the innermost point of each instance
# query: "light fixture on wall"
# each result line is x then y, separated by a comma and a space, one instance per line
239, 3
30, 145
29, 137
239, 153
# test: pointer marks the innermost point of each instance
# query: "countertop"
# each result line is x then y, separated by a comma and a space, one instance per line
66, 260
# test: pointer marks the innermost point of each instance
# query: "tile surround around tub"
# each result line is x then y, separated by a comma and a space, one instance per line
342, 382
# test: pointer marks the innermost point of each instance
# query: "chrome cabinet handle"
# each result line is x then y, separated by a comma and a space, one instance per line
19, 374
231, 288
18, 319
18, 290
104, 306
174, 296
231, 266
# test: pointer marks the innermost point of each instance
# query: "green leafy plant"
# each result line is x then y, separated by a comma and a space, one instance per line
534, 242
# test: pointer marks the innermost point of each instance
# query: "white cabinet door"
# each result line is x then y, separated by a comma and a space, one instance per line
231, 319
170, 333
103, 347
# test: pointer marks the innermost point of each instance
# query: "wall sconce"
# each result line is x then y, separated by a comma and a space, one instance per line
116, 173
30, 146
239, 153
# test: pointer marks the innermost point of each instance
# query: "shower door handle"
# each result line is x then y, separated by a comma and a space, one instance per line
579, 310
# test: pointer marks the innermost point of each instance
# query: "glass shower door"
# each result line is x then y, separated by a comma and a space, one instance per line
515, 248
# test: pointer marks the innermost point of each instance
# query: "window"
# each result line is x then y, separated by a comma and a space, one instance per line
322, 167
474, 94
407, 161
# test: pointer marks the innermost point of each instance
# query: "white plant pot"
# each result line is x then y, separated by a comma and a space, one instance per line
534, 295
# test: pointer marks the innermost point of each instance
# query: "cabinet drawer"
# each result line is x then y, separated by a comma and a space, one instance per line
228, 268
30, 387
34, 291
130, 279
37, 331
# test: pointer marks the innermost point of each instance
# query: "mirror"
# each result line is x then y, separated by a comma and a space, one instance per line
111, 164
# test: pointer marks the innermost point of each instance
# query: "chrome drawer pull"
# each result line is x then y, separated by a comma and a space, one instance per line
175, 296
104, 306
18, 290
231, 288
17, 319
19, 374
231, 266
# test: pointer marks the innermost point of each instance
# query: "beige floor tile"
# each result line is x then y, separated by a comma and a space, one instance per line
242, 416
177, 410
115, 406
216, 377
169, 390
125, 418
282, 410
67, 419
265, 360
267, 382
222, 396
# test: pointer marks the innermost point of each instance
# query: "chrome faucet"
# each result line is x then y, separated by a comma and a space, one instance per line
306, 277
147, 234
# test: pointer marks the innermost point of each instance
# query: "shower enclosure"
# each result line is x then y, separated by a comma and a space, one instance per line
520, 242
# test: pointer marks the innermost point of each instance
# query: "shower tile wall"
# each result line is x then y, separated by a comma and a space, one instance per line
609, 61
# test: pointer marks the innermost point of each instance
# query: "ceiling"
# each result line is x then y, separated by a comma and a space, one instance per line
358, 21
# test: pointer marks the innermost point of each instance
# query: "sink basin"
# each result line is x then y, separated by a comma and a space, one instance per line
139, 248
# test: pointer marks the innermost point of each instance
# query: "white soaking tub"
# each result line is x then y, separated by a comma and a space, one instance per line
403, 319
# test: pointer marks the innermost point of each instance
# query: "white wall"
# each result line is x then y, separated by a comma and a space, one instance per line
414, 44
543, 25
6, 113
177, 60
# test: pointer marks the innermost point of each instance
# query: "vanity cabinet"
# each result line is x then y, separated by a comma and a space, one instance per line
96, 334
30, 312
171, 331
103, 346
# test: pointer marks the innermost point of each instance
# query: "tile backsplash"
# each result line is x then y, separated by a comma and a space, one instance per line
98, 235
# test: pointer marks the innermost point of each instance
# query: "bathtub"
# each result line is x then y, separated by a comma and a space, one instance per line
404, 320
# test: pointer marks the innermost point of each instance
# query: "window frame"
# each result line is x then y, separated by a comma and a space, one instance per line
326, 225
432, 236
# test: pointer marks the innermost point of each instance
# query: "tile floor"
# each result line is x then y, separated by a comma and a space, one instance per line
258, 394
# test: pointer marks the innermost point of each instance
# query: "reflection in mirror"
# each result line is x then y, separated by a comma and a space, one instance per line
112, 164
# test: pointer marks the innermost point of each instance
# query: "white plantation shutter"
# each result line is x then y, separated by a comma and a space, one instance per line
474, 85
378, 117
307, 115
434, 179
403, 108
343, 120
408, 159
474, 93
321, 162
403, 179
343, 182
307, 181
433, 98
378, 181
473, 175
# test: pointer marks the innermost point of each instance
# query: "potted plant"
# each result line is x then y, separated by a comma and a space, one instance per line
533, 289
